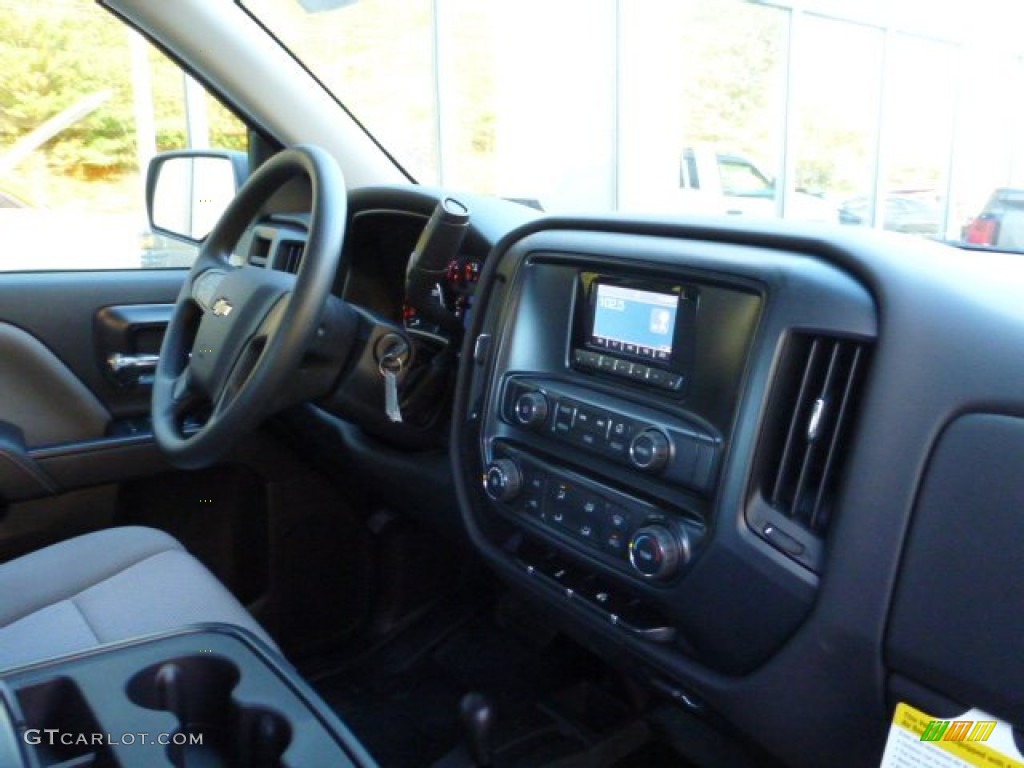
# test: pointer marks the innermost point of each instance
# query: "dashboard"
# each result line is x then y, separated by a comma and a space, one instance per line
768, 470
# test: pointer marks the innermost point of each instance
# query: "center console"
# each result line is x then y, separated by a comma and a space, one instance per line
609, 427
624, 443
210, 696
610, 405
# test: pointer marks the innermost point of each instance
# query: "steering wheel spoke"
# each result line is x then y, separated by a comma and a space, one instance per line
238, 376
185, 398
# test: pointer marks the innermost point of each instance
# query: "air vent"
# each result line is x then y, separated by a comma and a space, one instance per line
813, 407
289, 255
260, 251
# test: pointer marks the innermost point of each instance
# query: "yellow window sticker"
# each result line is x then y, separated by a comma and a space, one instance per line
972, 740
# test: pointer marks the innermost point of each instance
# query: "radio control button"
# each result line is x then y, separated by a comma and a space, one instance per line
656, 552
617, 517
617, 446
531, 409
584, 419
585, 358
650, 450
619, 433
605, 363
561, 492
620, 428
674, 381
623, 367
565, 414
571, 508
590, 427
503, 480
658, 377
531, 498
639, 372
615, 542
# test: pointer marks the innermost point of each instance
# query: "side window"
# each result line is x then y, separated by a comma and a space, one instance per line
85, 102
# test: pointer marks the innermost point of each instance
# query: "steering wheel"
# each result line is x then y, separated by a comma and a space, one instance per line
237, 335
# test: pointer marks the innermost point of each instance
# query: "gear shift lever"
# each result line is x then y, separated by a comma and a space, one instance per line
477, 715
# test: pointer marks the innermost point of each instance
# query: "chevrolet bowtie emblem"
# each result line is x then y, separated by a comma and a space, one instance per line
222, 307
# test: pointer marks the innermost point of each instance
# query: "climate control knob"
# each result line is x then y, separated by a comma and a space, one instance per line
657, 552
531, 409
503, 480
650, 450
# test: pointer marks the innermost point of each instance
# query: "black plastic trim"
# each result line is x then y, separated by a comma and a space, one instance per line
316, 735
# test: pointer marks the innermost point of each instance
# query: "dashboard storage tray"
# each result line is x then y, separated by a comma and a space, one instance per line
210, 696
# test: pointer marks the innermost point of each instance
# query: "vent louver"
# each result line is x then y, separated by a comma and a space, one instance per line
259, 252
289, 255
816, 402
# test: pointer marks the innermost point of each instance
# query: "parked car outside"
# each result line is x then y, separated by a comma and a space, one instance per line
903, 213
1000, 223
719, 182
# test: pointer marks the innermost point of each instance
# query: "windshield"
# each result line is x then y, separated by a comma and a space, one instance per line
894, 114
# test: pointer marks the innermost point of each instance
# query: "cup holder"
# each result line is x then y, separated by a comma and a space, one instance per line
197, 690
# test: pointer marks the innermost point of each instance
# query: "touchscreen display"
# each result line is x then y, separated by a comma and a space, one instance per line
634, 321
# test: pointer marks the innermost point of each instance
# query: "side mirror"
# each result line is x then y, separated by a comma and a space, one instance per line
188, 190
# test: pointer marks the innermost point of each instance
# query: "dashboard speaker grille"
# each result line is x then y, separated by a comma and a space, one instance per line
817, 401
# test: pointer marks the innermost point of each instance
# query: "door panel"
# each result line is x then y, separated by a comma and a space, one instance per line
32, 380
60, 311
68, 425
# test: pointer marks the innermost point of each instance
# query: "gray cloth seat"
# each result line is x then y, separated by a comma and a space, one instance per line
104, 587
